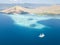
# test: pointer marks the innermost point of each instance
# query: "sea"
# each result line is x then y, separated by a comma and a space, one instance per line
13, 33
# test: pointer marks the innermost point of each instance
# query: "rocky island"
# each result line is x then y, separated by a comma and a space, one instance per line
54, 9
15, 10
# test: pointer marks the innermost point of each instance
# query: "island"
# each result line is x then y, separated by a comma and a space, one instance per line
54, 9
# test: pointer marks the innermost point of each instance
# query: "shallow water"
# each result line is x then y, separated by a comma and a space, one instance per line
29, 20
13, 33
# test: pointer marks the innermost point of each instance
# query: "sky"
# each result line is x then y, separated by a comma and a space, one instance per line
31, 1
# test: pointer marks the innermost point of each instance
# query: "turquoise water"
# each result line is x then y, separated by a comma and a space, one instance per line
12, 33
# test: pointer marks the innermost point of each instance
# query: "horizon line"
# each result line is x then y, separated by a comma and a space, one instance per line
30, 3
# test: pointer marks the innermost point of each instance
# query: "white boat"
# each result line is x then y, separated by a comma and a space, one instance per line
42, 35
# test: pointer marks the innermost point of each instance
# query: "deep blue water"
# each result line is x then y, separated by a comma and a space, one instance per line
11, 34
